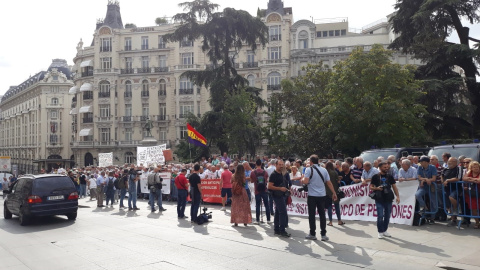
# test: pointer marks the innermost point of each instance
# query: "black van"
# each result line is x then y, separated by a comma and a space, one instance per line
41, 195
470, 150
373, 154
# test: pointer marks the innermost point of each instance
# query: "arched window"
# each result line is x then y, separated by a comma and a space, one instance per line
129, 157
274, 79
128, 89
303, 40
54, 101
251, 80
104, 89
145, 85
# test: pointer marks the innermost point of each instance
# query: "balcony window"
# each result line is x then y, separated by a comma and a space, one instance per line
104, 89
54, 101
251, 80
104, 134
128, 110
274, 53
185, 110
128, 44
106, 45
161, 42
186, 86
162, 88
106, 63
128, 89
275, 32
104, 110
129, 157
88, 95
144, 43
274, 81
187, 58
128, 134
186, 42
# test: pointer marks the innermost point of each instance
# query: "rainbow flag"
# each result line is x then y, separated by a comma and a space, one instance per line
195, 137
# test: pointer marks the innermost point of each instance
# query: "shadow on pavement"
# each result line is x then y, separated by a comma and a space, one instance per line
249, 232
154, 215
417, 247
346, 253
38, 224
353, 232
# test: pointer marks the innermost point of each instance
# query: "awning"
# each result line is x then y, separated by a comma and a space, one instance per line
85, 132
73, 90
74, 111
88, 63
86, 109
86, 87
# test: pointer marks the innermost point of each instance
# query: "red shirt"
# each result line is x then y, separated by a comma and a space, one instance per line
181, 182
227, 179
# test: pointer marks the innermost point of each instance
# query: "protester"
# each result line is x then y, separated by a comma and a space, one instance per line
133, 179
92, 185
123, 185
101, 182
346, 174
5, 186
317, 178
368, 172
382, 184
241, 212
83, 186
450, 176
259, 178
427, 175
225, 186
295, 176
407, 172
195, 192
276, 185
329, 200
248, 171
110, 189
472, 190
357, 171
445, 157
181, 183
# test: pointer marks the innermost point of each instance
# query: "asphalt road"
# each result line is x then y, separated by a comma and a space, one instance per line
106, 238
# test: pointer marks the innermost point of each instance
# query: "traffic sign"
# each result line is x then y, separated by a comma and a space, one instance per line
5, 164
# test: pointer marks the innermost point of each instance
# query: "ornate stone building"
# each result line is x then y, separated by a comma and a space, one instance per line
34, 120
130, 75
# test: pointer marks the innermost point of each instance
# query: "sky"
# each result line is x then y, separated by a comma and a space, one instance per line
35, 32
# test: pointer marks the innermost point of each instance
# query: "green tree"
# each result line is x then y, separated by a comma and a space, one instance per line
302, 99
220, 33
160, 21
130, 25
274, 131
372, 101
424, 27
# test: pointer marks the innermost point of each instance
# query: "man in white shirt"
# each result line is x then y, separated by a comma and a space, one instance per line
368, 172
271, 167
92, 186
5, 186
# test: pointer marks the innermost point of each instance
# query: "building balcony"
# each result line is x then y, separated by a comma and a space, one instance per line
87, 73
103, 94
127, 71
274, 61
126, 119
87, 120
249, 65
143, 70
129, 143
184, 115
162, 93
106, 70
127, 94
145, 47
188, 91
145, 94
106, 49
160, 69
128, 48
54, 145
161, 118
183, 67
144, 118
105, 119
274, 87
161, 45
52, 106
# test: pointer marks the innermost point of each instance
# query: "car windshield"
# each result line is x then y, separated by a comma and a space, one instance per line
373, 155
49, 184
469, 152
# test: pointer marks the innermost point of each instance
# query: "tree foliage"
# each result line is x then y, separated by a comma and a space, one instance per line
220, 34
160, 21
424, 27
130, 25
372, 101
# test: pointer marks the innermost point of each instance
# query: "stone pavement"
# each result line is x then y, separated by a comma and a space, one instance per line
113, 239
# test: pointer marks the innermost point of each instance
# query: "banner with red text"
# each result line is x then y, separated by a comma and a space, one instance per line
357, 205
211, 191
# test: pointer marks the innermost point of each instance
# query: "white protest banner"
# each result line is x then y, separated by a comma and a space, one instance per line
5, 164
357, 205
150, 155
105, 159
166, 176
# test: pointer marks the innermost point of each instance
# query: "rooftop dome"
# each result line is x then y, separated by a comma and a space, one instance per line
61, 65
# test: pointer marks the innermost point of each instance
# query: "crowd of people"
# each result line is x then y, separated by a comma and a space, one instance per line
272, 179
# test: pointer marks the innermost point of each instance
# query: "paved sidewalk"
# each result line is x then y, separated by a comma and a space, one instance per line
112, 239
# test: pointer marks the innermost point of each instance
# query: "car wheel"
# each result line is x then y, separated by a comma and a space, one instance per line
24, 218
6, 214
72, 216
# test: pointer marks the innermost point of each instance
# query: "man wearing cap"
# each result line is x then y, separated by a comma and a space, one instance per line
427, 174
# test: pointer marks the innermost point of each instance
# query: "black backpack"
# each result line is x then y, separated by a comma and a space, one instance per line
261, 181
110, 184
115, 183
121, 182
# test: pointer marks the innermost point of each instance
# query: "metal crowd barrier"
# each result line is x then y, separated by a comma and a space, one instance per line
466, 197
431, 200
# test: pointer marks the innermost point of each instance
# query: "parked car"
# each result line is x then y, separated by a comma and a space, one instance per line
373, 154
471, 150
41, 195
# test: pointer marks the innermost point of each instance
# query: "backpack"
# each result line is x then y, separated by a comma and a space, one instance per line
151, 179
121, 183
110, 184
115, 183
261, 185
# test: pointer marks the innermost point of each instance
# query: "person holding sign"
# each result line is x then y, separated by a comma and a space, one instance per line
382, 184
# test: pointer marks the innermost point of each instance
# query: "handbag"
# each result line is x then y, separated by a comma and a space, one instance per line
340, 194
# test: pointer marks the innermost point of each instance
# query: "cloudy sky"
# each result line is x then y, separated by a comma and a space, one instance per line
35, 32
